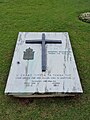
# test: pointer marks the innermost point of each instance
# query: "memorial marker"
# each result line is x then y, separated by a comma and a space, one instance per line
43, 42
43, 65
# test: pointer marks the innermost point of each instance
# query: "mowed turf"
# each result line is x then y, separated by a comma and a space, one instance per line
53, 16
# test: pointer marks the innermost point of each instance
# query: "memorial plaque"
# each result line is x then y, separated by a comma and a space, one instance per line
43, 65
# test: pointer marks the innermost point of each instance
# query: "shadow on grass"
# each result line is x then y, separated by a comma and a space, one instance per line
45, 101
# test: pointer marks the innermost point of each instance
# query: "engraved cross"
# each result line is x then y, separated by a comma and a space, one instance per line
43, 41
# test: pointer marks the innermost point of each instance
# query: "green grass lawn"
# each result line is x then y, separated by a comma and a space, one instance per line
45, 15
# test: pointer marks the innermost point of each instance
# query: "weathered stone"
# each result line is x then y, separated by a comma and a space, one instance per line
26, 78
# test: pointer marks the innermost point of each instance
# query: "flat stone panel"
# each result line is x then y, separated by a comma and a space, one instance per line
26, 78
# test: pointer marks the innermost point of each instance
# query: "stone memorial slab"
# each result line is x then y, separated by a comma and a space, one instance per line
43, 65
